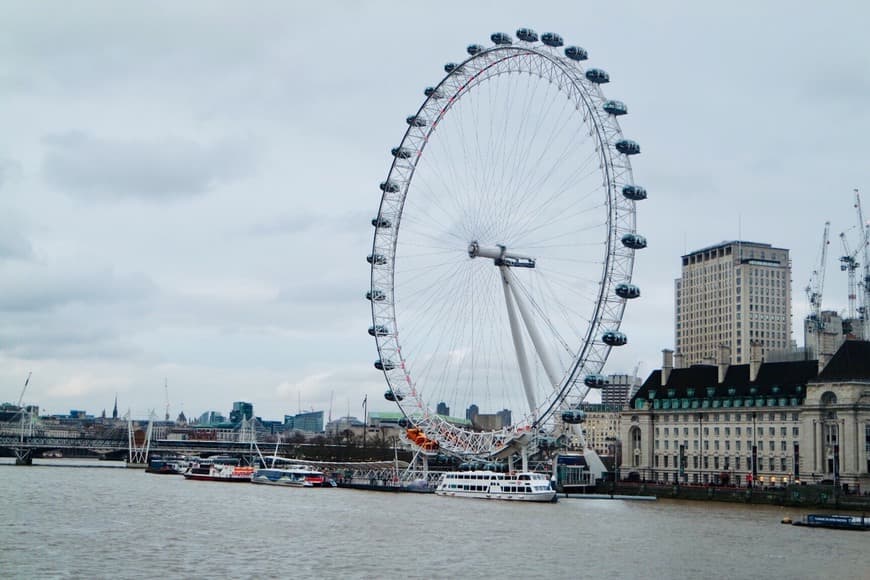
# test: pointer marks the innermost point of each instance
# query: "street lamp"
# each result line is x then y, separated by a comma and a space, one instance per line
701, 454
754, 451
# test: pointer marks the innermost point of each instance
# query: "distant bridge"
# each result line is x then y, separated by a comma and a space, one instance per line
119, 445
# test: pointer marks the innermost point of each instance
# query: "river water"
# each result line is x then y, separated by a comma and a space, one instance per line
64, 522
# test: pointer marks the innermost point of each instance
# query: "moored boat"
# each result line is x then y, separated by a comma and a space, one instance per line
167, 465
207, 470
283, 472
524, 486
835, 521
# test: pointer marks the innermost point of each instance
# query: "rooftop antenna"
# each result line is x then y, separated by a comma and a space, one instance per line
166, 396
331, 398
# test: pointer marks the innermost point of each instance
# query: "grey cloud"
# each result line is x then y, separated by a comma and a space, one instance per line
13, 243
9, 169
95, 168
35, 289
289, 224
47, 338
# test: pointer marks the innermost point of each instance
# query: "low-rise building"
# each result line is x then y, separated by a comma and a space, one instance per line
752, 424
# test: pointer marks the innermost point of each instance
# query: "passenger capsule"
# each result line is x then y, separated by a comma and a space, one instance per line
614, 338
634, 241
552, 39
573, 416
576, 53
401, 152
501, 38
389, 186
634, 192
376, 259
391, 395
433, 93
452, 67
627, 147
384, 365
378, 330
405, 422
376, 295
596, 381
597, 76
415, 121
527, 35
381, 222
615, 108
473, 49
627, 291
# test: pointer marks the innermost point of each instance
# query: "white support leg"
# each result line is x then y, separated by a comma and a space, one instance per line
518, 340
550, 367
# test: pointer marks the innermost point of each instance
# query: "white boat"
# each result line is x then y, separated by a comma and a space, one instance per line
288, 474
524, 486
218, 469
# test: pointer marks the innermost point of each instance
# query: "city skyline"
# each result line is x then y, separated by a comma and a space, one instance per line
161, 170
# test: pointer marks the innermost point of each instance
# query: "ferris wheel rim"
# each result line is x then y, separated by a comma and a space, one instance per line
388, 342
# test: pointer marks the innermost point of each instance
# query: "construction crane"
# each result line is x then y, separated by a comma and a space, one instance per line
849, 263
814, 292
635, 385
864, 228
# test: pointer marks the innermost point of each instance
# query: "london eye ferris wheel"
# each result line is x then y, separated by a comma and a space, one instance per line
504, 245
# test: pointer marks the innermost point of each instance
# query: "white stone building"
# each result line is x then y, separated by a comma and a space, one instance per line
767, 423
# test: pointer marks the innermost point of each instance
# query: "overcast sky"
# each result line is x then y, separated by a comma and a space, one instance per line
186, 187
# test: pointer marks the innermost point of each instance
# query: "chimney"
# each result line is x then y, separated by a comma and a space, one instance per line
667, 365
754, 359
724, 361
679, 360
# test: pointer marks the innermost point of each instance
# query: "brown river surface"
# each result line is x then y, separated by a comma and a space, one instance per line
87, 522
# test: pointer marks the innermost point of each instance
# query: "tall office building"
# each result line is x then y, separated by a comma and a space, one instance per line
241, 411
732, 294
619, 390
